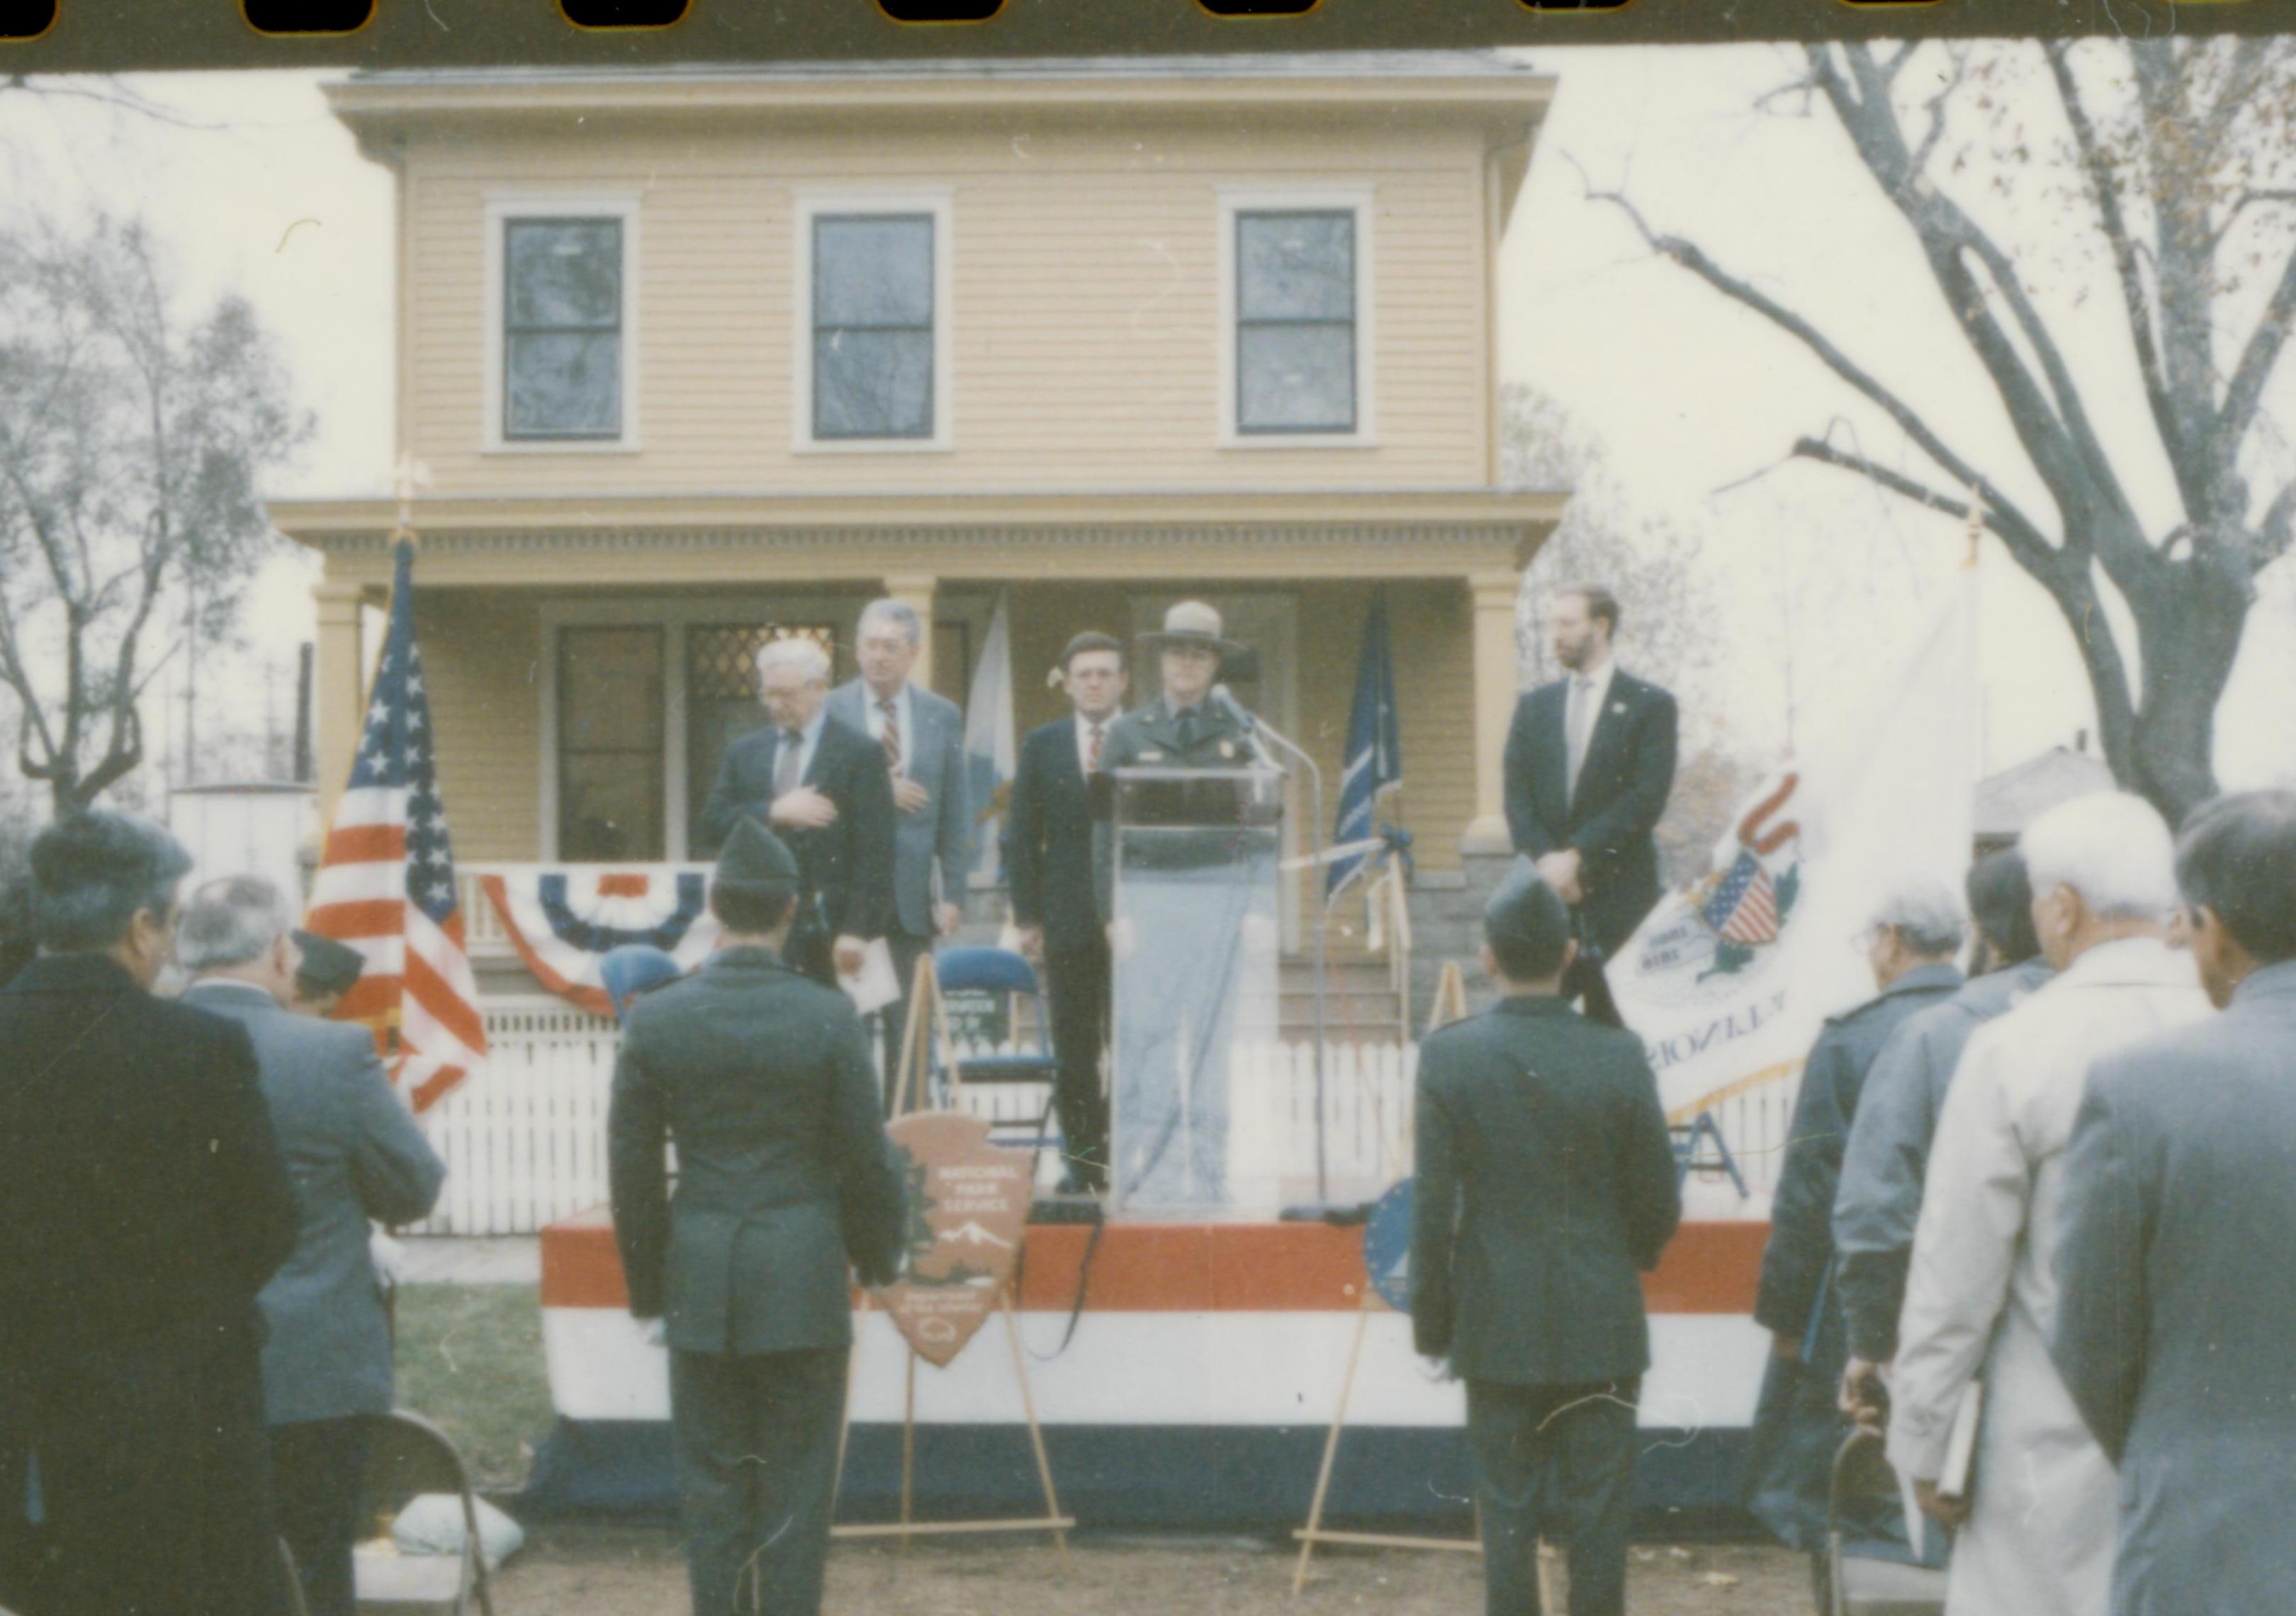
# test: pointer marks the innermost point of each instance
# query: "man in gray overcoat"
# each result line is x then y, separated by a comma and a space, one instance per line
1910, 947
2034, 1534
1543, 1184
786, 1184
2178, 1299
1888, 1155
354, 1152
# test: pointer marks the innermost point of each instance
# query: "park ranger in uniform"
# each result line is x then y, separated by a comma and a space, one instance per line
786, 1183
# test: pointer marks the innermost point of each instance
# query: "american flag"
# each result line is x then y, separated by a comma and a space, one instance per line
1745, 906
386, 884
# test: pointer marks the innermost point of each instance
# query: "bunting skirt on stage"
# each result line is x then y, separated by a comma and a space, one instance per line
1192, 1390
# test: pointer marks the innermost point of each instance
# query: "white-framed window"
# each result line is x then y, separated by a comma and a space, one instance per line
873, 330
562, 323
1296, 339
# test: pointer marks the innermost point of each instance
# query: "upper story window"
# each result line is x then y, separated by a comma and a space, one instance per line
559, 326
874, 307
1298, 342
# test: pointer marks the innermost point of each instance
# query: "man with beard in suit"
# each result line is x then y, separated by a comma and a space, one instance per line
1048, 858
1589, 762
823, 788
143, 1204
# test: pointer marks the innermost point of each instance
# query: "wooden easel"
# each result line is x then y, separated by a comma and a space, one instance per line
916, 1049
1450, 1004
909, 1526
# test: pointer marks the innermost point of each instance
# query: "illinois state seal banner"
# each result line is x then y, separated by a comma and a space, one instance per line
1727, 981
968, 1208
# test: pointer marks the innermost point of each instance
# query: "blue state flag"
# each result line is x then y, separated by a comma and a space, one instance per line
1374, 755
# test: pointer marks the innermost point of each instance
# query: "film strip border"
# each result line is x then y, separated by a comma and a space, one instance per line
127, 35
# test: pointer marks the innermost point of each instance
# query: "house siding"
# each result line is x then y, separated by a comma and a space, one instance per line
1086, 312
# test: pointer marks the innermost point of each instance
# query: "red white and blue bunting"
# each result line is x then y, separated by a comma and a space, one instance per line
563, 923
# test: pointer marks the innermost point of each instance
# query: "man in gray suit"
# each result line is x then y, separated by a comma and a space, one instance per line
2178, 1302
786, 1183
355, 1154
922, 735
1544, 1183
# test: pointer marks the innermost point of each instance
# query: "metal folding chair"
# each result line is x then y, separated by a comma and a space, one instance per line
407, 1457
1001, 971
1865, 1584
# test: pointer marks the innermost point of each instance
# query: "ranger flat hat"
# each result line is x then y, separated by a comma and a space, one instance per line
756, 863
1523, 908
328, 966
1194, 623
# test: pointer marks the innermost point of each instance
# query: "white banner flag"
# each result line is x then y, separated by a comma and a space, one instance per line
989, 753
1727, 982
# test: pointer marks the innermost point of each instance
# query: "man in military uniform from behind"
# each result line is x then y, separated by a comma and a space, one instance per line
786, 1184
1544, 1183
1910, 945
1196, 931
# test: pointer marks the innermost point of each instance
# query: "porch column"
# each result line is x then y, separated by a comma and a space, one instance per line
915, 590
336, 713
1491, 603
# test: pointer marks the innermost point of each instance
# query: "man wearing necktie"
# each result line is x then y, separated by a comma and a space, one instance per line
921, 737
822, 787
1048, 861
1589, 762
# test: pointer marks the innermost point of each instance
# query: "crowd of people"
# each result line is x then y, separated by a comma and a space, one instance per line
2046, 1195
194, 1336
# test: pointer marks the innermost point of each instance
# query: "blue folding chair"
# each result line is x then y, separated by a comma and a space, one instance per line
980, 970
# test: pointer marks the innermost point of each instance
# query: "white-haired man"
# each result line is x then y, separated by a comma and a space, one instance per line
923, 737
356, 1153
2037, 1528
823, 788
1910, 941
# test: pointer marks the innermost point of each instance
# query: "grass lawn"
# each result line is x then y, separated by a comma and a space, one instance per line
469, 1358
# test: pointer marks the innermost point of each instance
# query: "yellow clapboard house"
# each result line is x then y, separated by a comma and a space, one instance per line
689, 356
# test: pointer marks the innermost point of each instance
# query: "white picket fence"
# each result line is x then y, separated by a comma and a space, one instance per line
525, 1140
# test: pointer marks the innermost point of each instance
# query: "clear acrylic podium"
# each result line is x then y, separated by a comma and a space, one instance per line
1196, 936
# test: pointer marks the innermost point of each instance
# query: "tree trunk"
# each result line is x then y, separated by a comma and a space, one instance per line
2188, 633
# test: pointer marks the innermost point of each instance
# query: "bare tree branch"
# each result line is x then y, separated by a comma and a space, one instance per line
2105, 187
2042, 561
2258, 359
1696, 258
108, 93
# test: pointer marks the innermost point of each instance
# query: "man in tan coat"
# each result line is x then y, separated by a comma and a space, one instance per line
2035, 1534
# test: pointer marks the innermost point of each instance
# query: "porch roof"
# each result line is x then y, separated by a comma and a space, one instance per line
497, 540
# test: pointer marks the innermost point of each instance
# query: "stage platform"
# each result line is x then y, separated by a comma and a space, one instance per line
1194, 1391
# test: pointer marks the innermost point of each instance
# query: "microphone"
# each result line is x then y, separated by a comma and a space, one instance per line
1226, 699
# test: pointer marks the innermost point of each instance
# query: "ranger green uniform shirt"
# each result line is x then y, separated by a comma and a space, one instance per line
785, 1176
1151, 738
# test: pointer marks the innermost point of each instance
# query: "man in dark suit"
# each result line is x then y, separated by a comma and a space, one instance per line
923, 737
823, 786
2178, 1301
1047, 849
1910, 945
1589, 762
1544, 1184
143, 1204
786, 1184
354, 1152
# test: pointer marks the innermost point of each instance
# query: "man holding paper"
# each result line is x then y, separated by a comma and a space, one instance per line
2036, 1513
821, 788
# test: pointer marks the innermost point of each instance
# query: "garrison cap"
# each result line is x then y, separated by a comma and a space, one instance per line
756, 863
328, 966
1523, 908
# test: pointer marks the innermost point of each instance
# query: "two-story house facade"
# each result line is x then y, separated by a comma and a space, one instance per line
693, 357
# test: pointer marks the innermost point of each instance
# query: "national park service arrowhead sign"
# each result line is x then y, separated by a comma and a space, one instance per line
968, 1208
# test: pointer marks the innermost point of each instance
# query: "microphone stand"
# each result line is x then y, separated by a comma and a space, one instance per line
1257, 727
